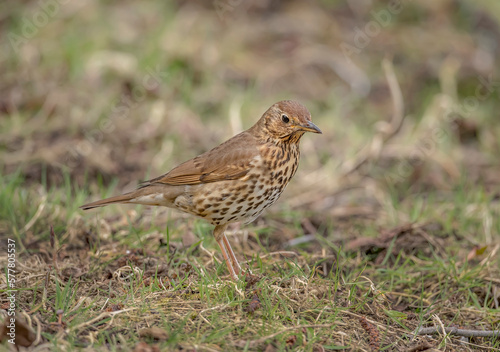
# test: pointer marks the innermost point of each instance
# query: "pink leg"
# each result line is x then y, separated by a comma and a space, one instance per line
228, 262
236, 265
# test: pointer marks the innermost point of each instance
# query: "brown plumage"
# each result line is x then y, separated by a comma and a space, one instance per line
236, 180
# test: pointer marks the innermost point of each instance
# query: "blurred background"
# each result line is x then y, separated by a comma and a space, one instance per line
100, 94
394, 212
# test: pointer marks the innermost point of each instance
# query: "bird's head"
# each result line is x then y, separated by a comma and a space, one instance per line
287, 120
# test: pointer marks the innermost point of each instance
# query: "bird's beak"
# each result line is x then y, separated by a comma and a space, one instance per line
310, 127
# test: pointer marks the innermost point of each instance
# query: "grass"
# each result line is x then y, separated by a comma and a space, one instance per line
349, 259
114, 272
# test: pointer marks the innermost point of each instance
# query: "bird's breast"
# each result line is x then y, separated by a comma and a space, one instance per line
243, 199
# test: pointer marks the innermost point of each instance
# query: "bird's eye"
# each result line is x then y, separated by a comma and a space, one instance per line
285, 118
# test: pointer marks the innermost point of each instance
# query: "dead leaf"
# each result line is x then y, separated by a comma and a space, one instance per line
270, 348
424, 346
476, 252
154, 332
144, 347
466, 130
290, 341
15, 328
114, 307
251, 280
73, 272
253, 305
185, 268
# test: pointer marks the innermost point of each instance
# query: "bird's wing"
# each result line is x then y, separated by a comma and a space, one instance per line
229, 161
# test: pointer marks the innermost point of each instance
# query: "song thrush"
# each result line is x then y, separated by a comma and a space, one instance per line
235, 181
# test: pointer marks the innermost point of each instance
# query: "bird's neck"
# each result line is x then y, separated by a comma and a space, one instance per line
289, 141
265, 136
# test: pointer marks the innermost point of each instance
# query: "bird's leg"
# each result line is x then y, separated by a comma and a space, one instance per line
236, 265
227, 260
219, 237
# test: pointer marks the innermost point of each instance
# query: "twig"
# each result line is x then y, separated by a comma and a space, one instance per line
221, 306
492, 279
439, 323
492, 254
376, 323
421, 347
403, 294
99, 317
210, 254
104, 305
397, 98
284, 253
200, 314
35, 217
38, 331
458, 332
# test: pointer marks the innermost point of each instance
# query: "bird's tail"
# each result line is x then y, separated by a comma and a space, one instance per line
124, 198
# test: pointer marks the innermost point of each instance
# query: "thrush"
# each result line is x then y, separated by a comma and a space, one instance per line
237, 180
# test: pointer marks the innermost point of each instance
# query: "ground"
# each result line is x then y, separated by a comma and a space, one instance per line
390, 225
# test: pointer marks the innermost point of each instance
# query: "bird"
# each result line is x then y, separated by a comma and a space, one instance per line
235, 181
